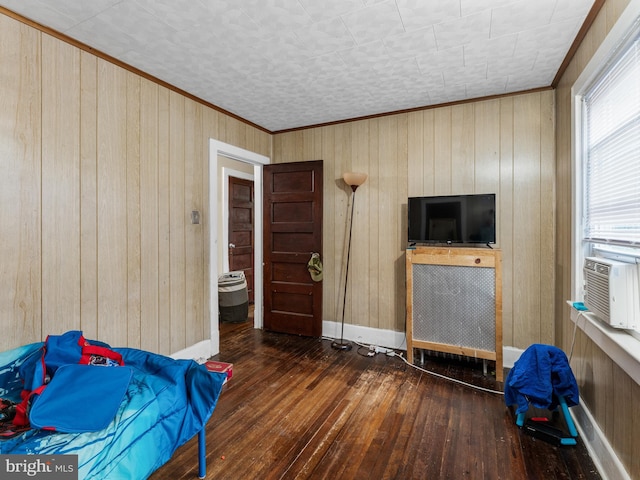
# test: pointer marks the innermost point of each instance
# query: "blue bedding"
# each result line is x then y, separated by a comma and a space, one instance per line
167, 402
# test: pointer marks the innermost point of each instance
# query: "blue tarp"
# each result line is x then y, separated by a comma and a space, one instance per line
167, 402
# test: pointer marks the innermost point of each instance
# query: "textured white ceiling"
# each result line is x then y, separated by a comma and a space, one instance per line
284, 64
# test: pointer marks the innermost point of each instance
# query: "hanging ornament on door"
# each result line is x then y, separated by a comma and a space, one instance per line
315, 267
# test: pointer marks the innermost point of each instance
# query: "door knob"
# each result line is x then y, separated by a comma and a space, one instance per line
232, 245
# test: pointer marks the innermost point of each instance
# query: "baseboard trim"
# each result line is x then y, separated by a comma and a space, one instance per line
607, 462
196, 351
365, 335
393, 339
510, 355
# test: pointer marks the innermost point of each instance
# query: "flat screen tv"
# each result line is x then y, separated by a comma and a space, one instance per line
452, 219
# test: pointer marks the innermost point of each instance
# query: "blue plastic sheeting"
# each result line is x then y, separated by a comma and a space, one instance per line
167, 402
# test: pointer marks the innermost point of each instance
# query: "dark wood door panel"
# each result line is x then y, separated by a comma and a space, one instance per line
292, 300
242, 191
293, 181
244, 262
291, 272
292, 232
241, 207
294, 324
284, 211
294, 242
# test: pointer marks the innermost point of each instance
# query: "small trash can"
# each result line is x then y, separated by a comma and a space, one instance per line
233, 299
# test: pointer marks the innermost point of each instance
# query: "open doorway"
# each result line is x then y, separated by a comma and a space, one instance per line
217, 240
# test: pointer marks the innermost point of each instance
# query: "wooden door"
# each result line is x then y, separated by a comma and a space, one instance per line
241, 229
292, 232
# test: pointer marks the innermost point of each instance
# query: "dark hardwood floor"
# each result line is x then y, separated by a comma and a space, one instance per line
297, 409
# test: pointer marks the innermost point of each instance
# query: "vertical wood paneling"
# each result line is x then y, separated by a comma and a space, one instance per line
330, 275
164, 224
20, 184
503, 146
429, 153
209, 130
112, 204
359, 260
613, 10
442, 151
235, 132
622, 431
88, 195
462, 149
177, 219
416, 158
547, 209
396, 321
563, 208
121, 172
341, 165
134, 252
486, 125
149, 216
308, 145
60, 186
291, 146
387, 209
505, 218
526, 216
376, 222
194, 162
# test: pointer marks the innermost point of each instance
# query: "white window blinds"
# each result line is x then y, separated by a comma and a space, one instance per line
612, 141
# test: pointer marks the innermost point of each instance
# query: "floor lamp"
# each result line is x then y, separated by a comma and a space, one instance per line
354, 180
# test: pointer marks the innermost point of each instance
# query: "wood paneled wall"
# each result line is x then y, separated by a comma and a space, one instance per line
100, 170
503, 145
610, 394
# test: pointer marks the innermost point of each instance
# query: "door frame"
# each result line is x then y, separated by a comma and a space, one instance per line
218, 148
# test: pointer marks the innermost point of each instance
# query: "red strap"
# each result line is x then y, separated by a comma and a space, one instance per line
22, 416
89, 350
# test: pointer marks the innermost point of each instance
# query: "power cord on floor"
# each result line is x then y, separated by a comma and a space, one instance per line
373, 350
451, 379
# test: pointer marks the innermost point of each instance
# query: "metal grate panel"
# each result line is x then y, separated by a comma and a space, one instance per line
454, 305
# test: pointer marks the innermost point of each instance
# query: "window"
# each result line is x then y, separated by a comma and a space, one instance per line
611, 139
607, 129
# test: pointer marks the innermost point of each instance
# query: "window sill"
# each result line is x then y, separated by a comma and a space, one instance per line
620, 346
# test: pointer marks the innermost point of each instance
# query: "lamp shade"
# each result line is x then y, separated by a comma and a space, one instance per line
354, 179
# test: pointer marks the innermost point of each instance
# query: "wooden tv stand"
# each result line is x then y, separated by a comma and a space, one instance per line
454, 302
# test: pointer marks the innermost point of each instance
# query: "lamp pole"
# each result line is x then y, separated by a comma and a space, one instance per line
354, 180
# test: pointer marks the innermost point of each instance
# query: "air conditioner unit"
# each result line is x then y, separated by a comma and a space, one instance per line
612, 292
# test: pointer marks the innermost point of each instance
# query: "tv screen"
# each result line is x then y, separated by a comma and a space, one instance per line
452, 219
